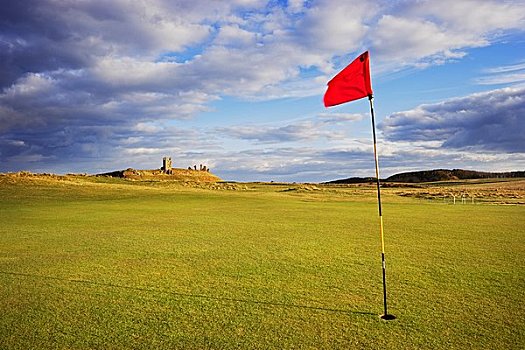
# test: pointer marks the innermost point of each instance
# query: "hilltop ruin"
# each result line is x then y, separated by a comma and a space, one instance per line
168, 172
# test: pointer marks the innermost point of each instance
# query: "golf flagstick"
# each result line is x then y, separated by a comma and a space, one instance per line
350, 84
385, 315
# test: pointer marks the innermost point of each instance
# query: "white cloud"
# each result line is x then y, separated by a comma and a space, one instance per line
234, 36
29, 86
147, 128
418, 39
128, 28
295, 6
299, 131
335, 27
473, 16
340, 117
143, 151
129, 72
502, 79
508, 74
432, 32
506, 69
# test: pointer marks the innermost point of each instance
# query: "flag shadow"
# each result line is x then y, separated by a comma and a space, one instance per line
191, 295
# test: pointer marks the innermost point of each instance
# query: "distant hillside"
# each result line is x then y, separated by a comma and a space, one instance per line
175, 175
433, 176
449, 175
352, 180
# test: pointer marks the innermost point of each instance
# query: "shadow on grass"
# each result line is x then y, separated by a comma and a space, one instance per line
188, 295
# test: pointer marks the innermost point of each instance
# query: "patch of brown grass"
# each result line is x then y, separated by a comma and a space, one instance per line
497, 192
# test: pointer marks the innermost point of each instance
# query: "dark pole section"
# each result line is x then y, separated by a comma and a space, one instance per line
384, 285
370, 98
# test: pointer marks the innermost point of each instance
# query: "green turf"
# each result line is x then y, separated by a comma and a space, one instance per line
108, 264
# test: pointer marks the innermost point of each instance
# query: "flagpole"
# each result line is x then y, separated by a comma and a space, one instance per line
385, 315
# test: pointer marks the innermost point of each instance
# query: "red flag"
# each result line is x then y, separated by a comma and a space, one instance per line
352, 83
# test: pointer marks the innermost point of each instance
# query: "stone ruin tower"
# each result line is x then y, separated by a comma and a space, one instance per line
166, 165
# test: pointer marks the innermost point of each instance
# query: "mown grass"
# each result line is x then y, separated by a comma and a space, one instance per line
111, 264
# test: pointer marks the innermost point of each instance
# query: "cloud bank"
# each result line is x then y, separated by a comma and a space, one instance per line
488, 121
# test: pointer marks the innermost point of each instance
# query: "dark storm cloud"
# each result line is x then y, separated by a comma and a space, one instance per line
33, 38
493, 121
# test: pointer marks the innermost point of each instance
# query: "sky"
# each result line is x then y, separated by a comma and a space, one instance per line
91, 86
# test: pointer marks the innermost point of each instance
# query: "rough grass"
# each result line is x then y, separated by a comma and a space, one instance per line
110, 264
495, 191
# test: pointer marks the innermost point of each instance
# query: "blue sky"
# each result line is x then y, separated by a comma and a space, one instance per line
95, 86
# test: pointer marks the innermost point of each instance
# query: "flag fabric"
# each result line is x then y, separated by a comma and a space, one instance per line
352, 83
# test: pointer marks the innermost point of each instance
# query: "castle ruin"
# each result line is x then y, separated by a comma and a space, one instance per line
166, 165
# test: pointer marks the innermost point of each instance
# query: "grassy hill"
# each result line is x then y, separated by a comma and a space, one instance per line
449, 175
174, 175
353, 180
434, 176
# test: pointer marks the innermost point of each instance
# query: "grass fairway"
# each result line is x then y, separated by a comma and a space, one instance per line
96, 264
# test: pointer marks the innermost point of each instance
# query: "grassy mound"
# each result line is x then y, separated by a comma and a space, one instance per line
159, 175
